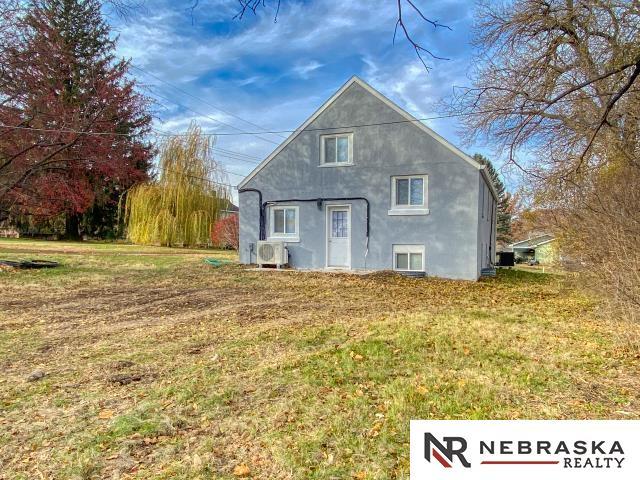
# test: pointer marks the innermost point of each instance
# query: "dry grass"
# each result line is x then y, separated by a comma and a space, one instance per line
158, 366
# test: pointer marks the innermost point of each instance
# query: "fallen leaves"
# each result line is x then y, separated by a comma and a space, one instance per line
375, 430
356, 356
242, 471
125, 379
245, 360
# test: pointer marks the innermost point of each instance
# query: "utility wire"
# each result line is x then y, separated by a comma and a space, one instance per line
222, 152
223, 155
215, 134
197, 177
241, 154
199, 99
170, 134
240, 131
229, 172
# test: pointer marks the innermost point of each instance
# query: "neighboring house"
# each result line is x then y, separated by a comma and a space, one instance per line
363, 185
9, 233
8, 230
229, 210
542, 248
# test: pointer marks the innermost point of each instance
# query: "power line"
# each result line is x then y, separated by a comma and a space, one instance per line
199, 99
240, 131
232, 157
437, 117
170, 134
69, 130
233, 173
362, 125
253, 157
156, 167
197, 177
250, 162
222, 152
320, 129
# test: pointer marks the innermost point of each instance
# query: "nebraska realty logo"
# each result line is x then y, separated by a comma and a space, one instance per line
494, 450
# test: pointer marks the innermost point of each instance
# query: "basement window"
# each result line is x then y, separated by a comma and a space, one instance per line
336, 150
408, 258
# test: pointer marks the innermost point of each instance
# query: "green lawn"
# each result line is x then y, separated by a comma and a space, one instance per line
159, 366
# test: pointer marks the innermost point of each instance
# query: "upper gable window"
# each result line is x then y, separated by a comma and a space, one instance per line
409, 195
336, 150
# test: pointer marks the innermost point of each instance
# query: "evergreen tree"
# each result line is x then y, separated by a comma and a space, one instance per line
64, 78
503, 220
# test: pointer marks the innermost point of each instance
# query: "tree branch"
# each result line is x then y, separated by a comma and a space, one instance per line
416, 46
607, 110
253, 5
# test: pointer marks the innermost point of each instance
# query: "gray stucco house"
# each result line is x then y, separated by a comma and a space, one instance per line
363, 185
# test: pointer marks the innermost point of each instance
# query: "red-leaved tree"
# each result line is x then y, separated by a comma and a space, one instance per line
225, 232
72, 125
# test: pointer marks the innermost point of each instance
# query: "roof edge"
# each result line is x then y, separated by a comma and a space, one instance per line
393, 106
297, 131
533, 238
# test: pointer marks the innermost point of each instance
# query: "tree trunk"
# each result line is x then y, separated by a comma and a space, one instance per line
72, 227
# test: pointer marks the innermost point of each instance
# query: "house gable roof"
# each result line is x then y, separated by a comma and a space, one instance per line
410, 119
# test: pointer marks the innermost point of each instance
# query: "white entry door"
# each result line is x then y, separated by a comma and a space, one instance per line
339, 236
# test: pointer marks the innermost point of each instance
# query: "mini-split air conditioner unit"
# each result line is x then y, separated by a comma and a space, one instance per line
272, 253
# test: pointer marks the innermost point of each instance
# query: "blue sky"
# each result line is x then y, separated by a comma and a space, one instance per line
276, 74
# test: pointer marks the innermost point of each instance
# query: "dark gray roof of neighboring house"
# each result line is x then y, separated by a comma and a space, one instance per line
533, 242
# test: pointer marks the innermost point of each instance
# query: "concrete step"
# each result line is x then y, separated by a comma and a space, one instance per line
488, 272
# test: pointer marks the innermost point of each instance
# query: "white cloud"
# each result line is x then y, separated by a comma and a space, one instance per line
305, 69
250, 80
167, 41
410, 86
276, 74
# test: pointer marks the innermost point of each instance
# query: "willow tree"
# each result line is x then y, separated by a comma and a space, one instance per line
181, 205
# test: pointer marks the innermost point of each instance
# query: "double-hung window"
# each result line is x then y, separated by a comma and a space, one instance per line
409, 195
408, 258
284, 223
336, 150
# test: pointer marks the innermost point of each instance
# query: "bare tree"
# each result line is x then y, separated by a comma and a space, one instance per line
558, 81
125, 8
556, 77
252, 6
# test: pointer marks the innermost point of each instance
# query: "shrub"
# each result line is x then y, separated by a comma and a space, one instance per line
225, 232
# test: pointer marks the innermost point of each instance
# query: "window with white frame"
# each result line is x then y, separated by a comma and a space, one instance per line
336, 150
283, 222
409, 194
408, 258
